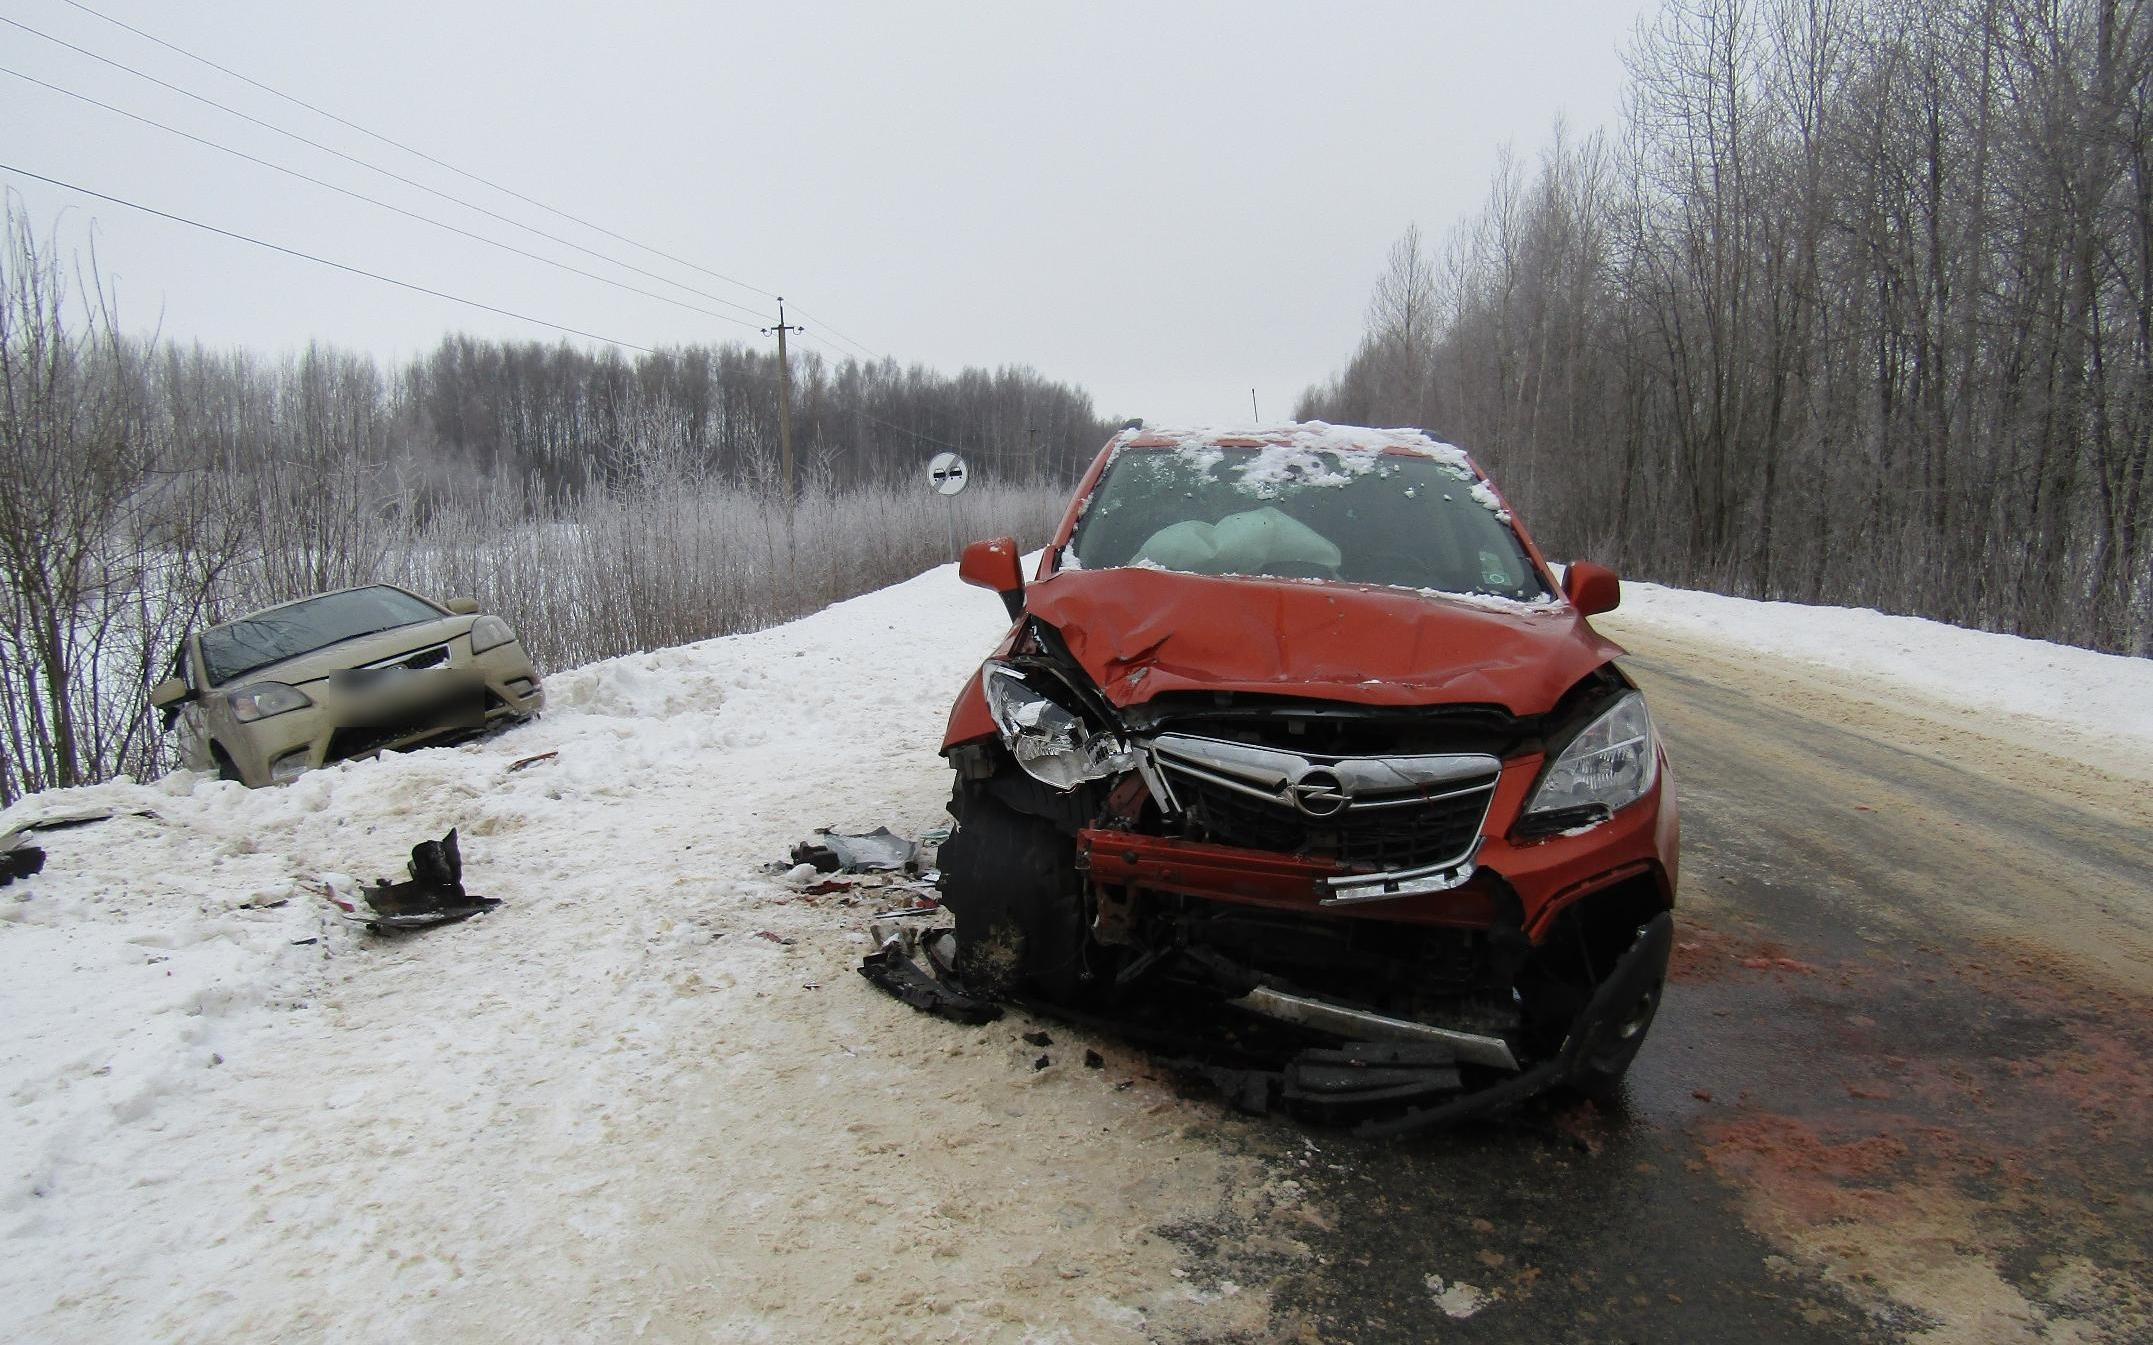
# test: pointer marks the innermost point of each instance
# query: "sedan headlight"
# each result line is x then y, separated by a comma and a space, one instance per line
1604, 769
1050, 743
489, 632
263, 699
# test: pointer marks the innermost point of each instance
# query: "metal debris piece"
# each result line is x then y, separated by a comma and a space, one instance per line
434, 894
880, 850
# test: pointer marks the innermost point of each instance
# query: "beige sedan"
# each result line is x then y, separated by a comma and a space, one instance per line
340, 675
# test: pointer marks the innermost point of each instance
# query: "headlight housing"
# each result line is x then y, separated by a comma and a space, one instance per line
1606, 768
490, 632
1051, 744
260, 700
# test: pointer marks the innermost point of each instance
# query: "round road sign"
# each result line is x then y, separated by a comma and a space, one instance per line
947, 473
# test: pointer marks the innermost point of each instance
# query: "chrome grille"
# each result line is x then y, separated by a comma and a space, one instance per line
1383, 812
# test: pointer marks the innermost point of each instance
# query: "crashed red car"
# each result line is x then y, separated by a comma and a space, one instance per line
1297, 722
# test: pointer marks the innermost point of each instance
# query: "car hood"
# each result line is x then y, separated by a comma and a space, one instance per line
1142, 633
358, 651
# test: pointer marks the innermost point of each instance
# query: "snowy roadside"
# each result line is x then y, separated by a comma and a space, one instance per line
612, 1106
2059, 698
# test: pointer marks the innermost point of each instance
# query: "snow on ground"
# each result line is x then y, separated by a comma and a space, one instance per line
610, 1108
2099, 697
613, 1108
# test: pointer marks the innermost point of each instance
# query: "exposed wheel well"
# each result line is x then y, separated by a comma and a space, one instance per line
227, 769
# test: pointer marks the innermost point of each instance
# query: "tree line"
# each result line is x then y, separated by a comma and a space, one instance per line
601, 503
1852, 308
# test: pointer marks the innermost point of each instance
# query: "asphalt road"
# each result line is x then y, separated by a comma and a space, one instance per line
1898, 1089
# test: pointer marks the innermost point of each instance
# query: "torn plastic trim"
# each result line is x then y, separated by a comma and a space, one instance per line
900, 977
1362, 1025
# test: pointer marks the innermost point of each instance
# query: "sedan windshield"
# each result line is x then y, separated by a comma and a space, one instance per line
1359, 517
243, 646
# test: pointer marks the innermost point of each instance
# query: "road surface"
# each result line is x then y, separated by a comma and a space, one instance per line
1898, 1091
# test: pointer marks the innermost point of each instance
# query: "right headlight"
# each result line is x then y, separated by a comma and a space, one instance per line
1052, 745
263, 699
1611, 765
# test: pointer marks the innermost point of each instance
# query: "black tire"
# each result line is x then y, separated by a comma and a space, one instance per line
1608, 1058
1010, 880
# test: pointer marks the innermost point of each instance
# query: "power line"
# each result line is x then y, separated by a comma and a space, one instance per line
375, 201
858, 410
418, 153
861, 347
319, 111
864, 350
376, 168
324, 261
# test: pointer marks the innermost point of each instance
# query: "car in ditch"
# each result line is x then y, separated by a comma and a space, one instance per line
275, 693
1296, 730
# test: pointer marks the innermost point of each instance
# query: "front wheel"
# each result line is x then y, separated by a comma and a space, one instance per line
1010, 880
1602, 1067
1620, 1013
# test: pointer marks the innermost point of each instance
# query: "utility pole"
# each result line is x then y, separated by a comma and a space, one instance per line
784, 399
1258, 415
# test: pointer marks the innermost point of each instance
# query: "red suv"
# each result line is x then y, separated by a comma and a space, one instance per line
1297, 724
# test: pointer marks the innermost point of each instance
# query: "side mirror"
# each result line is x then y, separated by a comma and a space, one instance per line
1591, 589
462, 606
994, 565
168, 693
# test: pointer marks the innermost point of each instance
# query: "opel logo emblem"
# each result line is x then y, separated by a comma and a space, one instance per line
1319, 793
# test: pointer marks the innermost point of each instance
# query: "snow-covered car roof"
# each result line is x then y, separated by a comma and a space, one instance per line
1312, 436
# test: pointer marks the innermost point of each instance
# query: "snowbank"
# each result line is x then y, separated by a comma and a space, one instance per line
2103, 695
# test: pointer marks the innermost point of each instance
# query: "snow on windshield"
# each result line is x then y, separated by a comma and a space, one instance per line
1311, 501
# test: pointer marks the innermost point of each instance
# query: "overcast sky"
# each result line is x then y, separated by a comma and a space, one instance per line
1168, 204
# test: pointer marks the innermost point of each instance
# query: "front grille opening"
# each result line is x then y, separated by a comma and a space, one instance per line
1408, 836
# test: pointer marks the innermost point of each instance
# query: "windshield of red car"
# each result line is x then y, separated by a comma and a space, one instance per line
237, 649
1399, 519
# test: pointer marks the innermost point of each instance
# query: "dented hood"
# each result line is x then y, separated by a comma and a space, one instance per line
1142, 633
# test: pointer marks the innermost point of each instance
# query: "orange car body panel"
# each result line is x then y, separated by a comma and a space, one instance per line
1141, 633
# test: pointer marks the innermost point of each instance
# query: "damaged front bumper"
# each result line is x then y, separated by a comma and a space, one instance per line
1380, 1090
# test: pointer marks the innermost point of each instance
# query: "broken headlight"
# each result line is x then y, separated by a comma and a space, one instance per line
1606, 768
1048, 740
263, 699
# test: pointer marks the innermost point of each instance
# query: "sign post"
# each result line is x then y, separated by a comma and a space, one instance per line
948, 475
